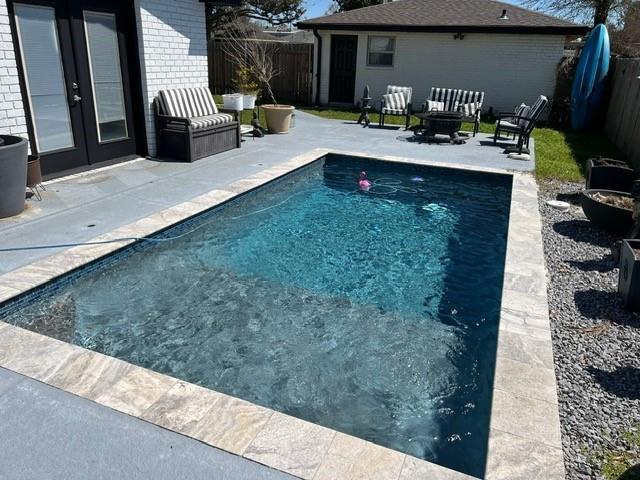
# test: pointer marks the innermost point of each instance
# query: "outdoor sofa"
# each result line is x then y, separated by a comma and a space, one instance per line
467, 102
396, 102
189, 125
520, 123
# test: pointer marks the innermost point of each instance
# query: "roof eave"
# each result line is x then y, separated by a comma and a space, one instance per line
517, 29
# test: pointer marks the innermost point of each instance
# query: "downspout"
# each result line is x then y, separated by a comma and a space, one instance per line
318, 66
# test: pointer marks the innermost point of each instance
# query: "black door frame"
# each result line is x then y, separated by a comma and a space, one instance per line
335, 38
58, 162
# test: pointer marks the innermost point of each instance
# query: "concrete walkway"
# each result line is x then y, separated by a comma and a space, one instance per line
46, 433
82, 207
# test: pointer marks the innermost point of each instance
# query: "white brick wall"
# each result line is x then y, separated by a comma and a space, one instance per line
173, 50
12, 119
509, 68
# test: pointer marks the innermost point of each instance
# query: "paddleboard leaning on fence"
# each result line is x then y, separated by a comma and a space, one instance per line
590, 78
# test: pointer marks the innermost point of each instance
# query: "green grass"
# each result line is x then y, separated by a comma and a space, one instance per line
619, 464
559, 154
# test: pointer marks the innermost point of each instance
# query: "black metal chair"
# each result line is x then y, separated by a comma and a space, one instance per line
521, 126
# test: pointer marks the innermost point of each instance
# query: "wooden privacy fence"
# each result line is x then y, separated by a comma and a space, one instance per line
293, 63
623, 117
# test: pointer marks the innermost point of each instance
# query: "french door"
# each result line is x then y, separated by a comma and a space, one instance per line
73, 58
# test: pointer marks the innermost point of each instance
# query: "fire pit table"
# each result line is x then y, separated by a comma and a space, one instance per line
439, 123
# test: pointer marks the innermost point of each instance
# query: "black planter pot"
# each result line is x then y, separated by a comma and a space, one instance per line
629, 279
607, 217
13, 175
609, 174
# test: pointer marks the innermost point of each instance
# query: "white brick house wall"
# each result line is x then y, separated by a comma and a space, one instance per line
173, 53
173, 50
509, 68
12, 116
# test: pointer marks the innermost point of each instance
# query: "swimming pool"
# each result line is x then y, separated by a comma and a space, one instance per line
374, 313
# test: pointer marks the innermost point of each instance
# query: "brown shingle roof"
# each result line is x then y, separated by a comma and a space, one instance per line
445, 16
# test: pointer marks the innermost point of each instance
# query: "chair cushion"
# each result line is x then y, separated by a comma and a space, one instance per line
433, 105
210, 120
406, 91
505, 124
468, 109
187, 102
524, 112
394, 101
448, 96
394, 111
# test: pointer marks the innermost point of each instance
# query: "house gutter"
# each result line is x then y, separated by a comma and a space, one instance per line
318, 65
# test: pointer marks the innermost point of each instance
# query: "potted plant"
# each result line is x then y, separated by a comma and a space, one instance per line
244, 49
608, 209
245, 83
233, 101
13, 175
609, 174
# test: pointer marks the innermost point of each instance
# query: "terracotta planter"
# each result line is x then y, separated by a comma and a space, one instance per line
278, 117
34, 173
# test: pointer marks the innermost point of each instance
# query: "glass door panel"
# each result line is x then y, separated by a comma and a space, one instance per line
106, 75
44, 76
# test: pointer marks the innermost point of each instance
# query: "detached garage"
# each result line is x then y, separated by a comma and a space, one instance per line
510, 53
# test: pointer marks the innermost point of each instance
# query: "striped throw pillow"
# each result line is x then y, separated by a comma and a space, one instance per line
433, 105
468, 109
394, 101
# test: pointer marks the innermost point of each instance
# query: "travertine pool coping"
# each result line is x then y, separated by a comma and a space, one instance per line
524, 436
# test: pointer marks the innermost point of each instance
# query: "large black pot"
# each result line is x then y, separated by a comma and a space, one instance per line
609, 174
13, 175
607, 217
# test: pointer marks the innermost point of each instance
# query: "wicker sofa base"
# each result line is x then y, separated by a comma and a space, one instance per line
183, 144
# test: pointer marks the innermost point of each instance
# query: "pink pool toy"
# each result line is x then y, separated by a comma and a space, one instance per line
363, 182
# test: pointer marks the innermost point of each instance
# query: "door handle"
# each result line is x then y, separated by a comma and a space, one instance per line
75, 98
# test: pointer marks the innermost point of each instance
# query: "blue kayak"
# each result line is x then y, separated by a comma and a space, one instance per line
590, 78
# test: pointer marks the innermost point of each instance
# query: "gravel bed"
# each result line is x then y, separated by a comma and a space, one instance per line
597, 369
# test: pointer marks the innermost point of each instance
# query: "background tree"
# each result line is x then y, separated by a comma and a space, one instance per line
272, 12
590, 11
344, 5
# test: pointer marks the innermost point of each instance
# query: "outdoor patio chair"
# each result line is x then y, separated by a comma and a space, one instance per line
467, 102
396, 102
189, 125
520, 125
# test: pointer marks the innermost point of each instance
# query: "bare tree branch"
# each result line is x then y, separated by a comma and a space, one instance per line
239, 42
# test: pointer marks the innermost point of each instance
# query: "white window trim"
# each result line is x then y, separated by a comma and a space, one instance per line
392, 52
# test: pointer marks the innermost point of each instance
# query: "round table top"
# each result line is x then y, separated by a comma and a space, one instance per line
440, 114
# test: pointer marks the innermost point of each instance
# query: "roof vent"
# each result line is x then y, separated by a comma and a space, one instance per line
504, 15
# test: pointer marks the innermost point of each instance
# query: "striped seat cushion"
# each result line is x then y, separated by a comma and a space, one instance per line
211, 120
468, 109
394, 102
406, 91
434, 105
187, 102
506, 124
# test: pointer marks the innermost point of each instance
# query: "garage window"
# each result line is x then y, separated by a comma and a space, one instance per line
380, 51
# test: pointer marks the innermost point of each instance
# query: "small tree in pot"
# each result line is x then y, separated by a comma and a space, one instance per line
241, 45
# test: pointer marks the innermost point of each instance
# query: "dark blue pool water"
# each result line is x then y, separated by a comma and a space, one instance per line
374, 313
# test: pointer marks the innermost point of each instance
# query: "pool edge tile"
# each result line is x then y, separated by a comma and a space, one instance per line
513, 457
231, 424
349, 457
291, 445
416, 469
